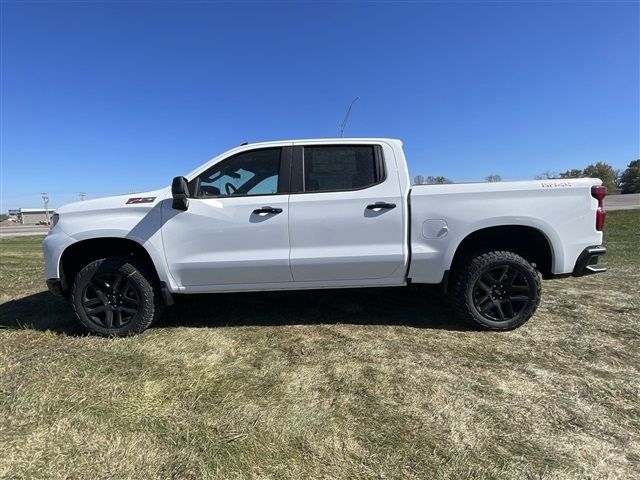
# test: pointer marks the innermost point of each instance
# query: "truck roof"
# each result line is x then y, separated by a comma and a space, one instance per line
326, 140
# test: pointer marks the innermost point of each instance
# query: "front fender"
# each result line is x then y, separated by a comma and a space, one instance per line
139, 224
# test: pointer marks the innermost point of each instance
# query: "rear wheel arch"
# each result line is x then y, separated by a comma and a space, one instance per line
528, 242
78, 255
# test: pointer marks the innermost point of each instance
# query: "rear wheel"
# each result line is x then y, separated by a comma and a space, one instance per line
497, 290
116, 296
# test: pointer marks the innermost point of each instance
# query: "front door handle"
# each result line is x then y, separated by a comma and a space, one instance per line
381, 206
272, 210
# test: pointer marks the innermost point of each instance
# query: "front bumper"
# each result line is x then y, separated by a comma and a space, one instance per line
53, 246
587, 263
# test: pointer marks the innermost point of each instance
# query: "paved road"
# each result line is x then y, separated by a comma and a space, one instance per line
22, 230
622, 202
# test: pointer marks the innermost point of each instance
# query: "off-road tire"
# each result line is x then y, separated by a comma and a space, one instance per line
143, 289
467, 292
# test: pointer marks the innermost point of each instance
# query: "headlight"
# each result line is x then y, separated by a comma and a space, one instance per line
54, 220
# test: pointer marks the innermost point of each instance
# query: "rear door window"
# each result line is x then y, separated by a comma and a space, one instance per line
340, 167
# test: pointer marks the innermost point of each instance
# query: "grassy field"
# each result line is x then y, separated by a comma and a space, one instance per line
334, 384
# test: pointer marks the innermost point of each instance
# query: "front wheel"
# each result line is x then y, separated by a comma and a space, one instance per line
115, 297
497, 290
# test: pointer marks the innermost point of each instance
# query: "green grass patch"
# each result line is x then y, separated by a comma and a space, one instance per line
379, 383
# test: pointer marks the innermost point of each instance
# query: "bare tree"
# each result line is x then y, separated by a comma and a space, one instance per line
573, 173
547, 175
437, 180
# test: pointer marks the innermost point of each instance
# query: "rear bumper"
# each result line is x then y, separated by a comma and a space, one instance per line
587, 263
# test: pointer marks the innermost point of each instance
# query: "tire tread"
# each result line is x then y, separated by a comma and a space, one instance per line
471, 266
150, 293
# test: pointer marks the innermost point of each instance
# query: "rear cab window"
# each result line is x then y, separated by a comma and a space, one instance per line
333, 168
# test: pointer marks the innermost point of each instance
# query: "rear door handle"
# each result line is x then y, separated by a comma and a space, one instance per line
273, 210
381, 205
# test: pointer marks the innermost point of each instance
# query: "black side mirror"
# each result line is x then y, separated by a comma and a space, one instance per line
180, 192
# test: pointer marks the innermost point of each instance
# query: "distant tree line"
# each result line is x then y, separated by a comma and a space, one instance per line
431, 180
625, 181
629, 180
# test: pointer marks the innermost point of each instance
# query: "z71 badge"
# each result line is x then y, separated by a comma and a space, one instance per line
141, 200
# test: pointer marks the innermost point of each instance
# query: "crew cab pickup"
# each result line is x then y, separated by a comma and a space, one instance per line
329, 213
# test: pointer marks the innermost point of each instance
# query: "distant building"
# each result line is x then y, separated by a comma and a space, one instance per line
34, 216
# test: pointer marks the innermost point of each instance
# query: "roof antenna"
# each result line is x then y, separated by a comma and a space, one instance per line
343, 125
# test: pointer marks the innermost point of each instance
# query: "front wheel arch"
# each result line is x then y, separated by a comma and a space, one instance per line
78, 255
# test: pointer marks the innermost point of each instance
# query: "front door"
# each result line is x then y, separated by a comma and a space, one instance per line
235, 231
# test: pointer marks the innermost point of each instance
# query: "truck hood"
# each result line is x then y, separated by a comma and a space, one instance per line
136, 216
146, 200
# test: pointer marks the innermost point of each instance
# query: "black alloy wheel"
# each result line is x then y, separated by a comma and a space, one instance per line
501, 293
498, 290
116, 296
111, 300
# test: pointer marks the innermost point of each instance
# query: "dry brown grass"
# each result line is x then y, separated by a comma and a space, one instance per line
334, 384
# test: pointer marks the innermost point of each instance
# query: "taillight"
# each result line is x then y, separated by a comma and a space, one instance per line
599, 192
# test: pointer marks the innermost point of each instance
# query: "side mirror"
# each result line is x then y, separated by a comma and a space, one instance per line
180, 192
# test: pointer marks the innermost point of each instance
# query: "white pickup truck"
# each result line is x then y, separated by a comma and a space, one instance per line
329, 213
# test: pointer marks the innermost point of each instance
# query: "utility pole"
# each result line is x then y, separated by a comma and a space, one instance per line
82, 196
45, 199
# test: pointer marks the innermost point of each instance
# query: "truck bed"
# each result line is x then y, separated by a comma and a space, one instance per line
443, 215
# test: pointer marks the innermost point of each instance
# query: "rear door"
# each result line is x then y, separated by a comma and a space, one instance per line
346, 215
